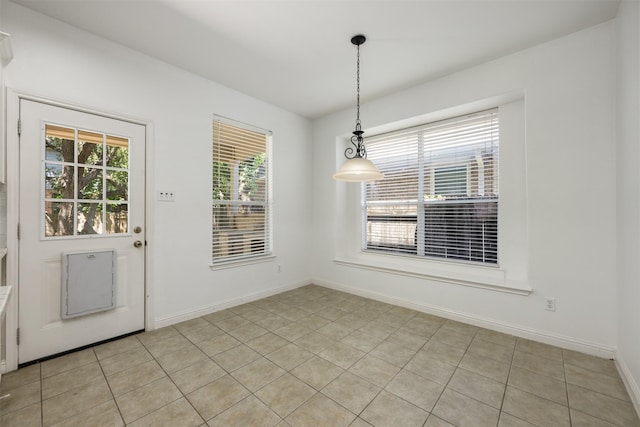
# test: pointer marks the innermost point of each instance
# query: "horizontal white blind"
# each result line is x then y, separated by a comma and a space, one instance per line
439, 197
241, 213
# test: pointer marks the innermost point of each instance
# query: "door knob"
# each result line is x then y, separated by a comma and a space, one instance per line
137, 244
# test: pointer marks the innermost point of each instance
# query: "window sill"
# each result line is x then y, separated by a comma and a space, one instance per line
490, 278
241, 262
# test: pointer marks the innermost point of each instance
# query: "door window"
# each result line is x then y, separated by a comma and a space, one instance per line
85, 183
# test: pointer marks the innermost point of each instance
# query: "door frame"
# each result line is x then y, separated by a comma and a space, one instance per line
9, 335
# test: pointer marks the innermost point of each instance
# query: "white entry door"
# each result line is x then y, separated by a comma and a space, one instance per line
82, 195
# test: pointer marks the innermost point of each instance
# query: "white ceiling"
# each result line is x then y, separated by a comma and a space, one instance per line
297, 54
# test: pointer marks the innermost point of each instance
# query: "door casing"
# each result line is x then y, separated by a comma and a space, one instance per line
9, 334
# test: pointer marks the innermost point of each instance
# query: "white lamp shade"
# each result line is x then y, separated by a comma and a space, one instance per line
358, 169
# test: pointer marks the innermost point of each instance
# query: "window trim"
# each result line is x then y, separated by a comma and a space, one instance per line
513, 274
413, 138
268, 254
495, 279
257, 259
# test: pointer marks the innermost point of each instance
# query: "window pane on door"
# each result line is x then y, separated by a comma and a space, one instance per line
117, 152
117, 218
58, 181
59, 143
89, 148
89, 218
90, 181
84, 173
58, 219
117, 185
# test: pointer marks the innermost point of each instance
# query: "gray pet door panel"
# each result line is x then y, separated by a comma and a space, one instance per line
88, 282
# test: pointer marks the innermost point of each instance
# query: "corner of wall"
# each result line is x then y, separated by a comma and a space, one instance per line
632, 386
627, 63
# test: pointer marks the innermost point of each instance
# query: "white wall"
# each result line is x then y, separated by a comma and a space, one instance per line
628, 197
3, 189
57, 61
569, 99
568, 180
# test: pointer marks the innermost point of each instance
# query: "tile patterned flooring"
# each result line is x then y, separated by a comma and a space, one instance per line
318, 357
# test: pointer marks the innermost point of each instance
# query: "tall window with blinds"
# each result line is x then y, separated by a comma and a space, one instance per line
241, 214
440, 194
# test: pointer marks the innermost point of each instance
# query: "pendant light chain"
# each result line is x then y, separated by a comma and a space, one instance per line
358, 87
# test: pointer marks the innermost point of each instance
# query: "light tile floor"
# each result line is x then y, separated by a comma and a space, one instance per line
318, 357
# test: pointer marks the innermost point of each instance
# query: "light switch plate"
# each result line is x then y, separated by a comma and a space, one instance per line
166, 196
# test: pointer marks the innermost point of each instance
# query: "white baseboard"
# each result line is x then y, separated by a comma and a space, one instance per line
630, 383
232, 302
512, 329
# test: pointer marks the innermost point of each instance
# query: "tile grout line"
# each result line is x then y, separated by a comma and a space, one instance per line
566, 387
449, 380
389, 382
264, 356
110, 389
182, 395
42, 400
41, 395
358, 415
506, 384
343, 370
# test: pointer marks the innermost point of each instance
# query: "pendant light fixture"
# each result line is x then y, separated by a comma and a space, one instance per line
357, 168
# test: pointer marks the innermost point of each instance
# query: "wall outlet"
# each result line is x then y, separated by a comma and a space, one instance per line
166, 196
550, 304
